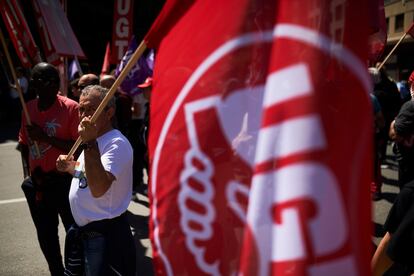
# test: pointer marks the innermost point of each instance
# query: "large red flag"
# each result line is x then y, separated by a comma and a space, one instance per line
19, 32
260, 138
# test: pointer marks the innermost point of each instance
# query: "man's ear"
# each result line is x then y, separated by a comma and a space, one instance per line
110, 113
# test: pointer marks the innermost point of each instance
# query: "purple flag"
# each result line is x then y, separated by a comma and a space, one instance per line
73, 69
141, 70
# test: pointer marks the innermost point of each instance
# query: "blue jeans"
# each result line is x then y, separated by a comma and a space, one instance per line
108, 248
94, 255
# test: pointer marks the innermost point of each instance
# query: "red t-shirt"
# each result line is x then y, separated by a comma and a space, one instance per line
61, 120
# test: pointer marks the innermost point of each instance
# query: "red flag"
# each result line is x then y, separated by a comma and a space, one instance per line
122, 29
55, 31
411, 30
378, 31
256, 167
19, 33
106, 63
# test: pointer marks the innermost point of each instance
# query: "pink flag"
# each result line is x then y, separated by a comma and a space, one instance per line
19, 32
256, 167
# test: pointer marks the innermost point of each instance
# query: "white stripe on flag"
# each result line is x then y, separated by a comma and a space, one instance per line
284, 85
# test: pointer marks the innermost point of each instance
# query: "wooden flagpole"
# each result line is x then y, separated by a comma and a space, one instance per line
134, 58
19, 89
392, 51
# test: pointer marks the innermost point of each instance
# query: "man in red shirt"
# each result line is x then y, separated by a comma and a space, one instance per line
54, 127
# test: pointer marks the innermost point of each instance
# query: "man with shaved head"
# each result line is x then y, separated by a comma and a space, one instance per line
84, 80
54, 129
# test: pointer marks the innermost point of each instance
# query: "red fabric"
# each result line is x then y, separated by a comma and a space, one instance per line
61, 121
411, 78
260, 139
378, 31
19, 32
411, 30
172, 11
106, 63
122, 29
55, 31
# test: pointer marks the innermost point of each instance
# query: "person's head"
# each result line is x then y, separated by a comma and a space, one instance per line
20, 72
404, 125
45, 80
375, 75
85, 80
89, 101
411, 84
146, 88
107, 81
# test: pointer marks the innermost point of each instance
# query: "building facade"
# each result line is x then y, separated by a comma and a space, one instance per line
399, 16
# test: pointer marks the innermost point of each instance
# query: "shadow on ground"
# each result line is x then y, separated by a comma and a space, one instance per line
9, 131
378, 230
390, 181
140, 229
390, 197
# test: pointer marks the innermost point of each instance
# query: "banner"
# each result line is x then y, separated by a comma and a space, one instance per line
19, 33
53, 23
122, 29
141, 70
261, 138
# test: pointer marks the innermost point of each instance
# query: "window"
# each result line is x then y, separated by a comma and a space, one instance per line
399, 23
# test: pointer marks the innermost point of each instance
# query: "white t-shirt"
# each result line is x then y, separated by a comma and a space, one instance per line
116, 158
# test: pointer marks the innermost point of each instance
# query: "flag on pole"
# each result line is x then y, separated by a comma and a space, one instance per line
141, 70
19, 33
55, 31
122, 29
74, 69
411, 30
378, 31
256, 167
106, 62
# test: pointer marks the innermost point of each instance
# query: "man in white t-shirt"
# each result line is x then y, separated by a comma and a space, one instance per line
101, 189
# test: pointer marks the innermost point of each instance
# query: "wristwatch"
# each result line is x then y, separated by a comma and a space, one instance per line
86, 146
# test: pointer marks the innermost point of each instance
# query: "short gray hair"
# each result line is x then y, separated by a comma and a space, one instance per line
375, 75
102, 93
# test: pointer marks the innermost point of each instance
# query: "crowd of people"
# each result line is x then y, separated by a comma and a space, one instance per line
92, 189
393, 108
